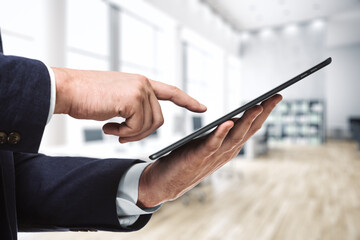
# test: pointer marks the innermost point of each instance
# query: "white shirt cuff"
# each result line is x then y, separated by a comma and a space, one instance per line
127, 210
52, 93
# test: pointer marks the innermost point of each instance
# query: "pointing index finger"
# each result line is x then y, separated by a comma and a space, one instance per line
171, 93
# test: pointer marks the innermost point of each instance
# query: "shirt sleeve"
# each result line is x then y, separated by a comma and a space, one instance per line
127, 210
52, 93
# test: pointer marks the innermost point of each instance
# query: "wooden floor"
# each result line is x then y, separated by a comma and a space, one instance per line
292, 193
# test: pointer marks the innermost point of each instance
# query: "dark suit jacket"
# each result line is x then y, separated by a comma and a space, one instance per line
41, 193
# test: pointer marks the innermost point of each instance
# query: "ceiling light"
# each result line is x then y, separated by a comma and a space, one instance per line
291, 29
318, 24
245, 36
266, 33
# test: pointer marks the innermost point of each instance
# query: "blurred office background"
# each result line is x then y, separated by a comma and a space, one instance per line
298, 178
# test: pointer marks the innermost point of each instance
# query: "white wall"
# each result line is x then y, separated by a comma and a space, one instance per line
35, 29
343, 77
20, 37
198, 17
273, 56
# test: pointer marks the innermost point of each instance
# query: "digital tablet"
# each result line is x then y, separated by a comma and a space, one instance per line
232, 114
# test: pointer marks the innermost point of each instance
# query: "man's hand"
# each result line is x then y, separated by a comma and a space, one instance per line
100, 95
171, 176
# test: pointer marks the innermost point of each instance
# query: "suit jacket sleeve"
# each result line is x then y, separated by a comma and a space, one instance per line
25, 101
67, 193
52, 193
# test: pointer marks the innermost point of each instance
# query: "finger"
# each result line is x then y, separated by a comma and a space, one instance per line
215, 140
137, 137
235, 119
242, 126
166, 92
158, 120
148, 117
132, 125
268, 105
111, 128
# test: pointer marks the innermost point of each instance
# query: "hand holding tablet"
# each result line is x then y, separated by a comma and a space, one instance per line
177, 172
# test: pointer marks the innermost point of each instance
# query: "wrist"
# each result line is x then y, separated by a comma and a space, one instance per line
149, 194
62, 80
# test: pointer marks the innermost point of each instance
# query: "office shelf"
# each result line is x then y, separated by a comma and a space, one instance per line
297, 121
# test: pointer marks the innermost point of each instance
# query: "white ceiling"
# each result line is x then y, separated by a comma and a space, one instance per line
256, 14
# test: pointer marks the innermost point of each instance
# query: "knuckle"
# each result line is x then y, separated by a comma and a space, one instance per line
159, 122
272, 105
230, 153
248, 121
144, 81
140, 77
235, 141
147, 82
239, 140
137, 128
212, 147
268, 111
175, 90
257, 127
158, 119
162, 120
137, 94
268, 107
140, 81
